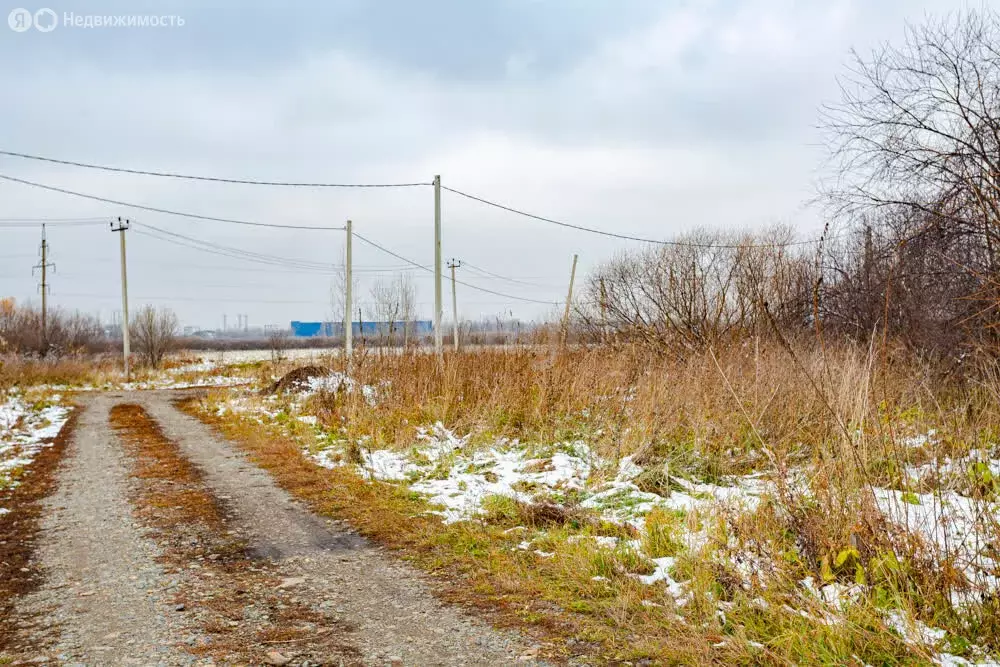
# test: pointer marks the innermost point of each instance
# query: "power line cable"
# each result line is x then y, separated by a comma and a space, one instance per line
490, 274
165, 211
459, 282
626, 237
246, 255
182, 298
213, 179
233, 253
53, 220
245, 269
483, 200
38, 222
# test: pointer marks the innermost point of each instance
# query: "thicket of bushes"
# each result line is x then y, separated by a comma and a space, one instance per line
21, 331
913, 248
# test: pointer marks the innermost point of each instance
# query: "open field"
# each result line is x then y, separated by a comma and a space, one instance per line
749, 506
719, 442
666, 511
758, 504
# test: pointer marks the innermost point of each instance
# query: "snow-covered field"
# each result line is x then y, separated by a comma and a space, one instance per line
26, 428
204, 373
223, 357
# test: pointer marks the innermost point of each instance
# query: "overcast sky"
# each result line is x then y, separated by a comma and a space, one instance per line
642, 117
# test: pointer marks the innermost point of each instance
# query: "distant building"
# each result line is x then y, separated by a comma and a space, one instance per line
366, 328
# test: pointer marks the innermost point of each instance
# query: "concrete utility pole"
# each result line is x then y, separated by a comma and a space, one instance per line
569, 300
348, 275
454, 264
123, 224
44, 265
438, 345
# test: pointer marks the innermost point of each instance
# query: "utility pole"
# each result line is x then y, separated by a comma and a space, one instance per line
569, 300
348, 278
44, 265
604, 312
454, 264
123, 224
438, 346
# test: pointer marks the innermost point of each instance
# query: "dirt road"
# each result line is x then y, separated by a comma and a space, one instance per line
117, 591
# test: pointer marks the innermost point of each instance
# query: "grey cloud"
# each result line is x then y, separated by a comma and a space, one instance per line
640, 117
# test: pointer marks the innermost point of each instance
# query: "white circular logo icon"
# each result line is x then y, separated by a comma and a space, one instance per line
19, 20
46, 20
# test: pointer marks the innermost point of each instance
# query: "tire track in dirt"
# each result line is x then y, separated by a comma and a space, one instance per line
398, 619
20, 528
104, 599
240, 602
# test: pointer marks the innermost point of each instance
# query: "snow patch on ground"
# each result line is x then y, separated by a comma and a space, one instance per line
337, 382
467, 480
25, 430
952, 526
458, 476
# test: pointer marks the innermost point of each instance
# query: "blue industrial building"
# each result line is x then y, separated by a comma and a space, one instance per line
336, 329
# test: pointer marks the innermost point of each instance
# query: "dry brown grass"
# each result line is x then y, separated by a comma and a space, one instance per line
833, 418
712, 414
19, 529
20, 371
476, 564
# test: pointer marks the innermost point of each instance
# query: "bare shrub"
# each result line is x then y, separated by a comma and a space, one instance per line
152, 333
65, 333
915, 155
277, 342
386, 308
706, 289
394, 305
407, 305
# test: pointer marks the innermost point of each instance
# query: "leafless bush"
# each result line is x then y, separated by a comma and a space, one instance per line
915, 155
21, 331
277, 341
701, 291
394, 305
898, 277
152, 333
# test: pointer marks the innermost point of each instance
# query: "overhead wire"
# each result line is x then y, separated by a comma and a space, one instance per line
54, 220
490, 274
627, 237
296, 184
181, 298
165, 211
212, 179
459, 282
146, 229
8, 223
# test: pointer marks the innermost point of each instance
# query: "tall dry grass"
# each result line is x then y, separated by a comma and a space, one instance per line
21, 372
721, 412
829, 425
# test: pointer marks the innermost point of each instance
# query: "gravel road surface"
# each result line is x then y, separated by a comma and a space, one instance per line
106, 599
